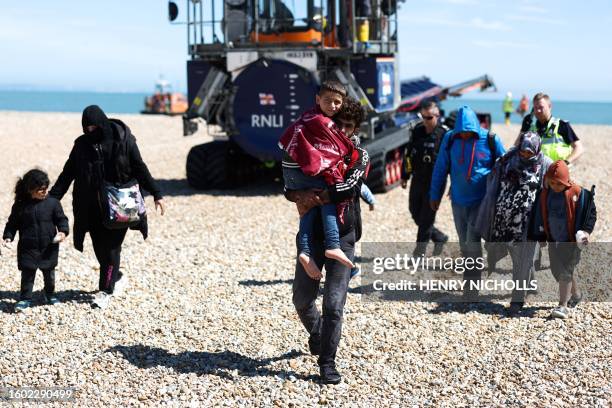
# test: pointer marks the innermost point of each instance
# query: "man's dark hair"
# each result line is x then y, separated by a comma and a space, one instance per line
332, 85
428, 104
352, 110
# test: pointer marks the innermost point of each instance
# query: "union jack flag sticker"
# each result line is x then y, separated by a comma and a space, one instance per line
266, 99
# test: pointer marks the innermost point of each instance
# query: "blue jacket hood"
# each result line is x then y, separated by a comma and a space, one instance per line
467, 121
468, 161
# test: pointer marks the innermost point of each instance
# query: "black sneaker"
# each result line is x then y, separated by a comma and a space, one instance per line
469, 295
574, 300
50, 300
420, 250
439, 246
515, 308
329, 375
491, 266
314, 344
22, 305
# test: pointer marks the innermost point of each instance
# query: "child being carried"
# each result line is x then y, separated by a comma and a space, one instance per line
316, 155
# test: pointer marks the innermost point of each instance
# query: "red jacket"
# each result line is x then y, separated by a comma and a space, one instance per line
317, 145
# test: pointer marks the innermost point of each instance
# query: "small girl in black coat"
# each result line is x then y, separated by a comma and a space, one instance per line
42, 225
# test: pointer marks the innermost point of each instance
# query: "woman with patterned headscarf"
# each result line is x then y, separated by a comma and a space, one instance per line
521, 174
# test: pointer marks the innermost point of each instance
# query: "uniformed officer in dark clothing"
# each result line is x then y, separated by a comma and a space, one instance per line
419, 160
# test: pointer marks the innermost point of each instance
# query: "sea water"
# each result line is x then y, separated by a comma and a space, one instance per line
62, 101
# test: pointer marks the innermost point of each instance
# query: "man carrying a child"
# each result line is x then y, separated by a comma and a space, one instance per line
325, 328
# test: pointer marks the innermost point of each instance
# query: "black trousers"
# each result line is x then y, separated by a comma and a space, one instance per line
305, 290
422, 214
27, 282
107, 247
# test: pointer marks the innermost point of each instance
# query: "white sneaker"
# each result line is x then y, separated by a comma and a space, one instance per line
101, 300
120, 285
560, 312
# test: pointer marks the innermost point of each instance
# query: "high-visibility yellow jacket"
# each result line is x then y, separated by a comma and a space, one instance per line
553, 144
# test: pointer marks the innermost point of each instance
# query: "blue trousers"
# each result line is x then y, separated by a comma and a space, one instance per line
296, 180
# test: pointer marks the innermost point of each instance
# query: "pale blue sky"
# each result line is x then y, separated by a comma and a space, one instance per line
561, 47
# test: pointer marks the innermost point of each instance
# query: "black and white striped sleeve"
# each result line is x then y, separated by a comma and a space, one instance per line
351, 186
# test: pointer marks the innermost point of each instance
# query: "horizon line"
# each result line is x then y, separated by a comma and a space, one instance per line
480, 96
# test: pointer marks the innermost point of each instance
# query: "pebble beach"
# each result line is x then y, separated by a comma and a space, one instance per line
207, 319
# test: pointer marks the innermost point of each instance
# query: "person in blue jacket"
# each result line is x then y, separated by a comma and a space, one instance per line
467, 153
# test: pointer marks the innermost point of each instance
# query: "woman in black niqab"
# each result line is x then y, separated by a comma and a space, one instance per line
93, 115
83, 167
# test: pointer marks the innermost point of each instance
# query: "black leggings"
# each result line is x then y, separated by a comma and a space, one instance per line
27, 282
107, 247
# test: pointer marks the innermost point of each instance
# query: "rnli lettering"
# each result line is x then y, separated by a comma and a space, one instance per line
271, 121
